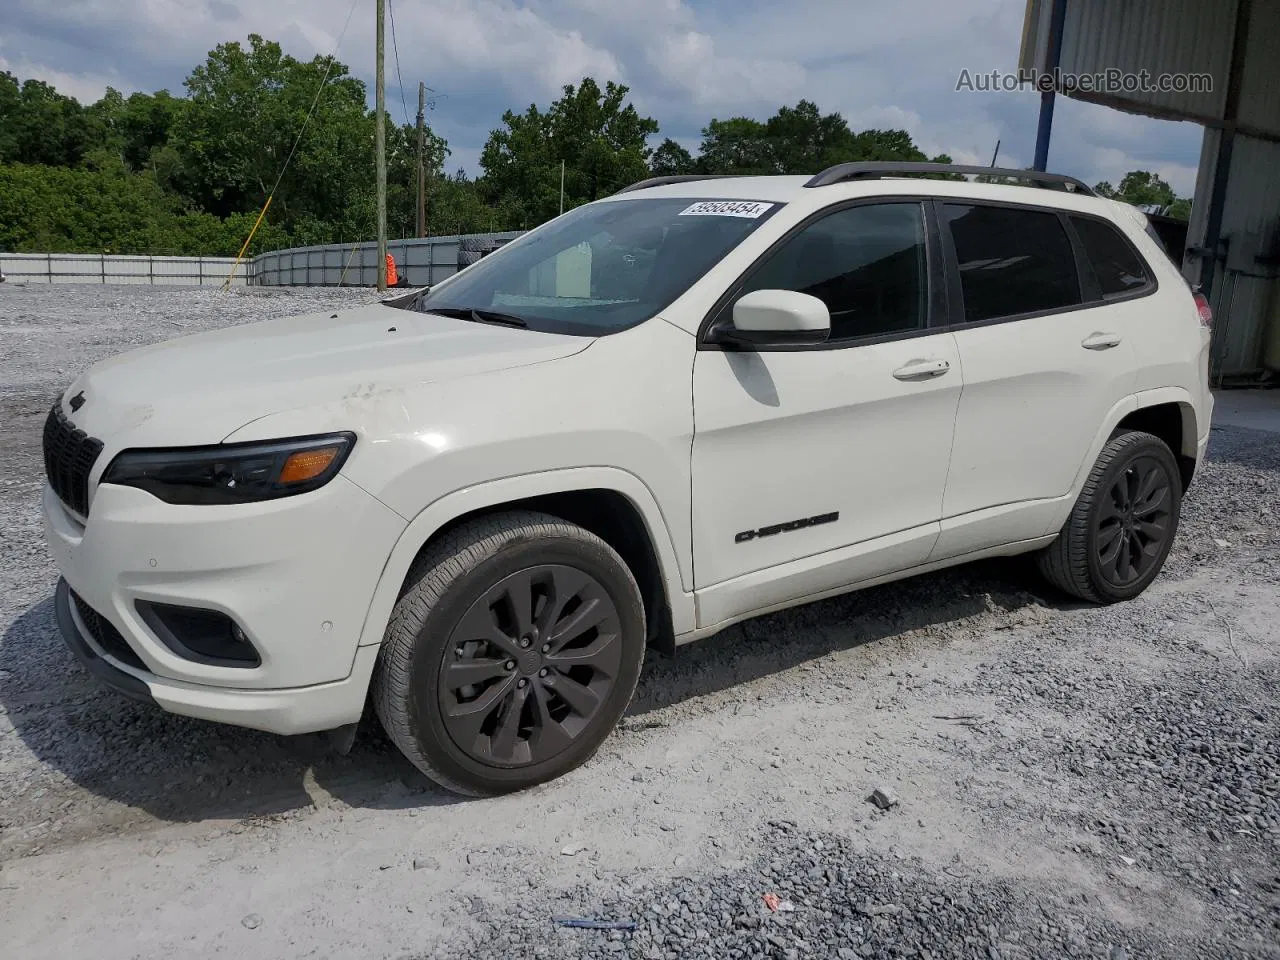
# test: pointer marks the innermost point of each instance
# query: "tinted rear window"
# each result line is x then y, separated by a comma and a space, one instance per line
1012, 261
1116, 264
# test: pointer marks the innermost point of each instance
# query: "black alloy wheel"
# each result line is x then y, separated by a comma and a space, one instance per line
529, 665
1133, 525
512, 652
1122, 526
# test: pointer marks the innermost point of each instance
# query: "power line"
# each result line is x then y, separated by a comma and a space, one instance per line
396, 50
315, 102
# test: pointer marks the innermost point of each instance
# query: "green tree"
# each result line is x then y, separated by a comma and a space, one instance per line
156, 173
601, 140
803, 140
246, 109
10, 108
799, 140
671, 159
145, 123
1148, 190
40, 125
76, 210
1139, 187
738, 146
402, 177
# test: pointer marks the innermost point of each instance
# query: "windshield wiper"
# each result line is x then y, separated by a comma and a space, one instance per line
479, 316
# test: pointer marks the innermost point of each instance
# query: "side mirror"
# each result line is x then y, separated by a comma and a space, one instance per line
778, 317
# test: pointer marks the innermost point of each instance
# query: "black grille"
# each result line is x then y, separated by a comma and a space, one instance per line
69, 454
105, 635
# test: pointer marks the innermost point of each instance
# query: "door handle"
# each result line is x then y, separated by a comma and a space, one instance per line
1101, 341
922, 370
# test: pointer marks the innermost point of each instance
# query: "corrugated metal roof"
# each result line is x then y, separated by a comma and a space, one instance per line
1260, 88
1159, 36
1035, 32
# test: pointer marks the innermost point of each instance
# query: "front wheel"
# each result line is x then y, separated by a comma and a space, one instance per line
511, 654
1122, 526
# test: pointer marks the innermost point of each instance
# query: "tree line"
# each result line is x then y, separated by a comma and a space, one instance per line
163, 174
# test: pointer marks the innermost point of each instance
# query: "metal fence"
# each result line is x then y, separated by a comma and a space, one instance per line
114, 268
419, 261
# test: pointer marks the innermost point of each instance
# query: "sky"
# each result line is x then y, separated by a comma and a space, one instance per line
686, 61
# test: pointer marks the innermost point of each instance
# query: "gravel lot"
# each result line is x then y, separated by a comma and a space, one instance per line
1071, 781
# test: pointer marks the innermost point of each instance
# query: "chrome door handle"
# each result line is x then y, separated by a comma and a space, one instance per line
922, 370
1101, 341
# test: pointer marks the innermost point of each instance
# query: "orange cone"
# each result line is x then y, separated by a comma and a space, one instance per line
392, 277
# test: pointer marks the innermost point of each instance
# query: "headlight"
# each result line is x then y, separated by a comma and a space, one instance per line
233, 472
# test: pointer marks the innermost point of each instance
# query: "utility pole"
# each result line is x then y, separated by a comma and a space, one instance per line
380, 151
422, 174
562, 186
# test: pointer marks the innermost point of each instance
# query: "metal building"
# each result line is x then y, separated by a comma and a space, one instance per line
1233, 245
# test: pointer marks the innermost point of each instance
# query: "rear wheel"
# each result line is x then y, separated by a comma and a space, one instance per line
511, 655
1122, 527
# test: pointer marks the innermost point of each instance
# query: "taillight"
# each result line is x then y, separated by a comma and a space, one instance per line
1206, 311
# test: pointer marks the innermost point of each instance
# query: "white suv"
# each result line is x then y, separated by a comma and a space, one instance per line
659, 414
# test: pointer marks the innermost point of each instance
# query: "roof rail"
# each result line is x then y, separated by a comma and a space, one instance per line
843, 172
679, 178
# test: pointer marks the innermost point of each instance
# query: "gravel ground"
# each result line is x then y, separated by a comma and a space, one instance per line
1071, 781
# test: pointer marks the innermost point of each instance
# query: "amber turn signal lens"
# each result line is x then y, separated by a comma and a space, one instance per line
307, 465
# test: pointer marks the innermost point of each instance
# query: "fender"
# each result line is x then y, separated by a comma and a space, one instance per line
1122, 408
497, 492
1191, 432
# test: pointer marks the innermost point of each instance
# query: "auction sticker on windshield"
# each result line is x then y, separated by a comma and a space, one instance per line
747, 209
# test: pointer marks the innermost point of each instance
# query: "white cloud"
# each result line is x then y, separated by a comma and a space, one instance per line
85, 87
686, 61
688, 64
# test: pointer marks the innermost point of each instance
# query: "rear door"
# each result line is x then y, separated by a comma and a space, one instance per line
1045, 359
1165, 330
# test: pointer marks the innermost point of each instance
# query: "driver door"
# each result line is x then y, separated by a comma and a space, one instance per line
818, 466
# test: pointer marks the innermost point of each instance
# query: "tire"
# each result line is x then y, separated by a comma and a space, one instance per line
467, 257
1118, 516
535, 710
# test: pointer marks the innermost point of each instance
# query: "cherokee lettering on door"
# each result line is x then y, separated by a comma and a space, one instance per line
748, 535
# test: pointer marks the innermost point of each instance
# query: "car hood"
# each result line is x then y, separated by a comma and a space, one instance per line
199, 389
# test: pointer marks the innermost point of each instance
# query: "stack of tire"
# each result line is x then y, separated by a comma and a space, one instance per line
471, 249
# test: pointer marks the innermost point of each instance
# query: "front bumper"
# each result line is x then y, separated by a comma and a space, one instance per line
297, 575
301, 710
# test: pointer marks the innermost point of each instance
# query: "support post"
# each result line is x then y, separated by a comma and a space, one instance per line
380, 148
1053, 60
422, 173
1226, 144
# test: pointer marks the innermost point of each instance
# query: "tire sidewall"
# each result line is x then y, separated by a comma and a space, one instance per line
426, 723
1145, 447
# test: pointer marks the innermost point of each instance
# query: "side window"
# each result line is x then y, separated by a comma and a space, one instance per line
1012, 261
1116, 264
866, 263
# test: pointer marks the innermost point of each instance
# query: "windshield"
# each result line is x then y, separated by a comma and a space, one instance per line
602, 267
